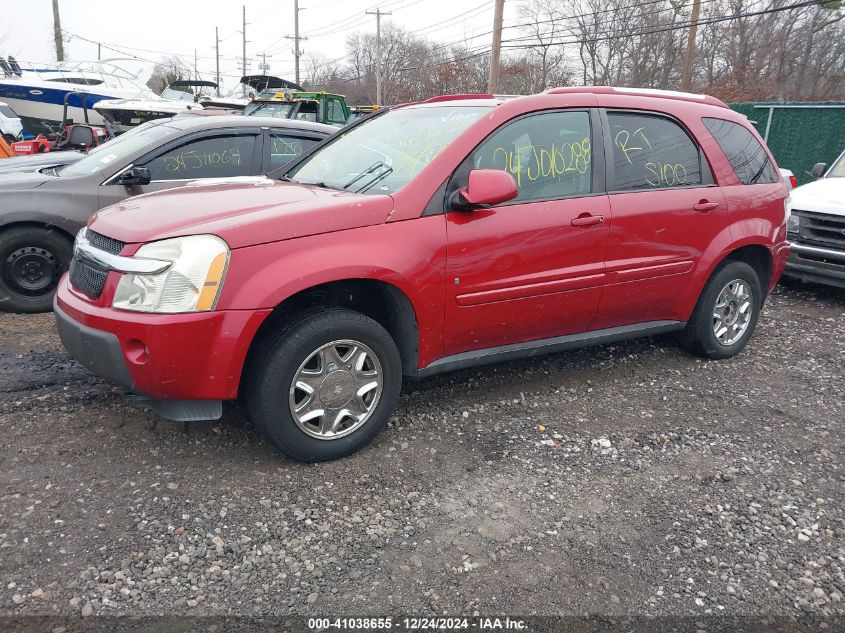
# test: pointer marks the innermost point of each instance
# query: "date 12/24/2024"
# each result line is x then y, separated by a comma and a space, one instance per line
417, 624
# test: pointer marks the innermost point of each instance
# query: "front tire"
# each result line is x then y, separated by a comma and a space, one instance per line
726, 314
32, 260
323, 386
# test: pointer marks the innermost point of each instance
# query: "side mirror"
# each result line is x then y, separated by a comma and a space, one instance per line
818, 170
135, 176
486, 187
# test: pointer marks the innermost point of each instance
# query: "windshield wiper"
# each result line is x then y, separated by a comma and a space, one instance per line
377, 176
319, 183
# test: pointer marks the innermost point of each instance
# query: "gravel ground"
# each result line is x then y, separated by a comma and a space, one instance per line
628, 479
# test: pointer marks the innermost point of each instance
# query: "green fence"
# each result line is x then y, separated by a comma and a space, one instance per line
799, 134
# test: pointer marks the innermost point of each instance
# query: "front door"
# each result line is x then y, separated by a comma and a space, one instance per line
532, 268
222, 154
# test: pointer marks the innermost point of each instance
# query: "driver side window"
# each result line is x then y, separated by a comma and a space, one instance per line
549, 155
214, 157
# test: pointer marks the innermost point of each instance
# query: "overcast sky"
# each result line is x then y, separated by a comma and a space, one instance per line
154, 28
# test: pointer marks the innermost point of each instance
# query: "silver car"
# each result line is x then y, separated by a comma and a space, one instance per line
41, 211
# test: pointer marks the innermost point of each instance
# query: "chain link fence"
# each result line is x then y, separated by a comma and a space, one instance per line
799, 134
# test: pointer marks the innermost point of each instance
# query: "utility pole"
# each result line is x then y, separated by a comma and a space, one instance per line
57, 33
686, 79
217, 58
196, 72
496, 52
297, 51
98, 51
378, 13
243, 32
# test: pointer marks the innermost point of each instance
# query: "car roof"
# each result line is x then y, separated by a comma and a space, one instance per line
236, 120
491, 99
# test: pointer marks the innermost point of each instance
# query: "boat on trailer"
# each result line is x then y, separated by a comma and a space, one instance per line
249, 88
178, 97
37, 91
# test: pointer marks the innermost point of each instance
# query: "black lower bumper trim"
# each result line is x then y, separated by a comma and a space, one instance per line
816, 272
99, 352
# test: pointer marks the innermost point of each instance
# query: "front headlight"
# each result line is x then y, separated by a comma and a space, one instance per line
191, 284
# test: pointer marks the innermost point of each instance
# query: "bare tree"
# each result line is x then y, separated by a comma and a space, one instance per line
166, 72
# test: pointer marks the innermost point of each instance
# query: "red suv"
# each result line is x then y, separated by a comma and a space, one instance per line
434, 236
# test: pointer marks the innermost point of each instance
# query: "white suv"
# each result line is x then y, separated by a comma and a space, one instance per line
10, 124
816, 228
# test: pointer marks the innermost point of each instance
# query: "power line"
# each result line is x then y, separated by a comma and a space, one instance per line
674, 27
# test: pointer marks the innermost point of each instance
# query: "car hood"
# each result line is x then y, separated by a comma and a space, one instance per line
243, 212
22, 181
826, 195
38, 161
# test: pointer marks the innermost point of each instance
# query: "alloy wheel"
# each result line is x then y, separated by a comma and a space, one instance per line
336, 389
732, 312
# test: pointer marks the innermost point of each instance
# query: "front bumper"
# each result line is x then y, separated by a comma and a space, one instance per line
818, 265
181, 365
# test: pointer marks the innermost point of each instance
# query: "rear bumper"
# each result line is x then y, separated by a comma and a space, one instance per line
818, 265
187, 359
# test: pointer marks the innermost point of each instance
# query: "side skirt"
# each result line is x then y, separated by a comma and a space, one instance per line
540, 347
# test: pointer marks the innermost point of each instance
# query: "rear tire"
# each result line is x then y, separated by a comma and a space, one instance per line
9, 138
323, 386
726, 313
32, 260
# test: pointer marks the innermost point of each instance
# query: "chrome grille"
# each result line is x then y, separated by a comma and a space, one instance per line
821, 229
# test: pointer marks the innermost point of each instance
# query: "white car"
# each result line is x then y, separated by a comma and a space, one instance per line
10, 124
816, 227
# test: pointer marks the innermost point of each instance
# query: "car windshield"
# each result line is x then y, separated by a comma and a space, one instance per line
275, 109
838, 169
6, 111
384, 153
117, 149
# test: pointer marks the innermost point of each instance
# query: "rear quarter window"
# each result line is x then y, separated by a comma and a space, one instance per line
744, 152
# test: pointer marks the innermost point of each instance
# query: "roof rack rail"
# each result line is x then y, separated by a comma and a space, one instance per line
459, 97
641, 92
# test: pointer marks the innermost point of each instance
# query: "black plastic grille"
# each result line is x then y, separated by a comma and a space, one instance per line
87, 279
821, 229
104, 243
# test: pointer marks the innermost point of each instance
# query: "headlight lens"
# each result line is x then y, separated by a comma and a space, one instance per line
191, 284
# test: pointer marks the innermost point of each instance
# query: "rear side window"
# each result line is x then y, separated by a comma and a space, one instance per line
549, 155
6, 111
651, 152
284, 148
744, 152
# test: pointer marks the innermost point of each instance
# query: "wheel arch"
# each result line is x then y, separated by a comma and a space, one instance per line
35, 224
382, 301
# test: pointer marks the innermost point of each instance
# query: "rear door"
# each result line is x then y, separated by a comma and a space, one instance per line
210, 154
531, 268
665, 212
